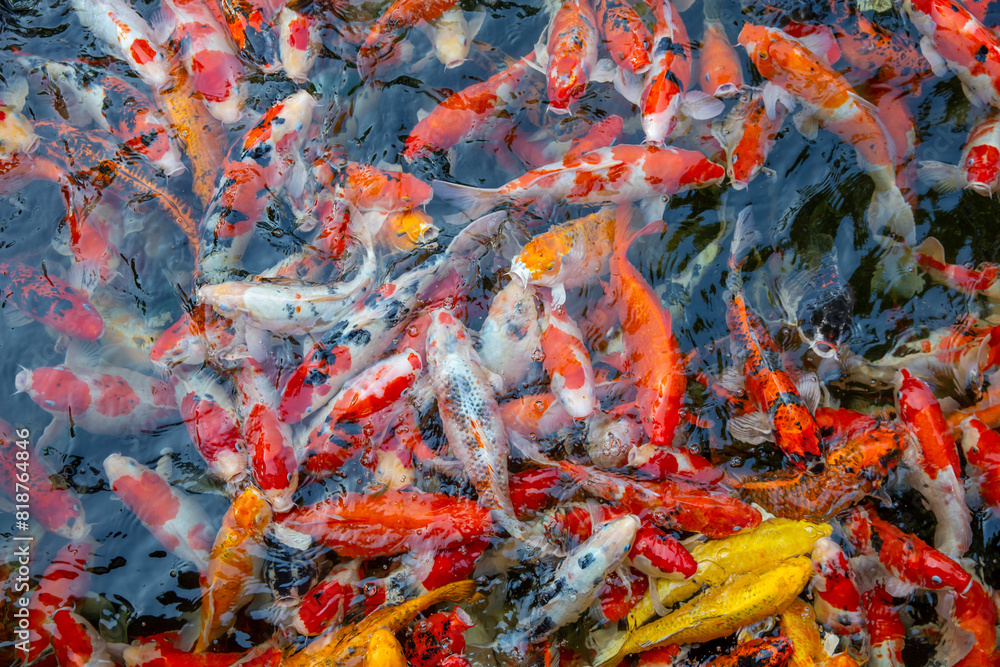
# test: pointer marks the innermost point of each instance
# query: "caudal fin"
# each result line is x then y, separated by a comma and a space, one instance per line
473, 201
889, 212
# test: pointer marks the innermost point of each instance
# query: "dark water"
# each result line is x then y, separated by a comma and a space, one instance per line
818, 195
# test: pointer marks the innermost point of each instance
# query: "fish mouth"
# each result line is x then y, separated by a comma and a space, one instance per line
983, 189
824, 349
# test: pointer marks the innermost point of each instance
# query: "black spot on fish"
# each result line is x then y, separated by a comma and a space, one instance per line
586, 560
358, 337
982, 53
314, 378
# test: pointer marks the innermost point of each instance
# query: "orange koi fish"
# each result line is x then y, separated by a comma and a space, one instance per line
378, 49
572, 53
748, 134
719, 69
760, 652
796, 74
624, 34
651, 351
768, 385
65, 580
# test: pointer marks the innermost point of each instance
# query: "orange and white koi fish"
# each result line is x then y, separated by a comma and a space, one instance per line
719, 71
954, 39
376, 388
932, 459
797, 75
77, 643
748, 134
251, 24
176, 520
298, 41
16, 132
211, 421
651, 352
217, 74
625, 36
979, 167
51, 301
510, 338
270, 445
119, 26
369, 188
65, 580
105, 400
885, 629
236, 559
767, 383
572, 53
567, 361
378, 49
618, 174
981, 445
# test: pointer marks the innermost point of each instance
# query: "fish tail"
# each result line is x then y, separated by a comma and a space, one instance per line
888, 211
473, 201
625, 235
457, 591
610, 655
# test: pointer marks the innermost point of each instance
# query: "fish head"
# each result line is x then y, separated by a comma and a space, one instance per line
542, 256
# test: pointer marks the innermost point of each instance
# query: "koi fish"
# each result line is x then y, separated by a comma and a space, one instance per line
795, 431
212, 423
16, 132
299, 42
51, 301
885, 628
369, 188
452, 35
440, 636
119, 26
719, 69
105, 400
567, 362
574, 585
978, 169
76, 642
65, 580
973, 612
235, 562
760, 652
836, 597
952, 38
624, 35
572, 53
798, 624
175, 520
720, 611
379, 45
156, 654
217, 74
981, 445
748, 134
510, 338
326, 603
983, 281
251, 25
618, 174
795, 74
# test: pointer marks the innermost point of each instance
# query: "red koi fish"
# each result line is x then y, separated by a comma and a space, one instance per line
981, 445
768, 385
979, 167
836, 598
359, 526
954, 39
468, 113
377, 51
651, 352
51, 301
974, 612
328, 602
105, 400
625, 36
217, 74
211, 421
65, 580
116, 24
58, 510
159, 654
908, 558
439, 637
177, 521
299, 42
572, 53
885, 628
932, 458
984, 281
257, 166
269, 440
748, 135
77, 643
251, 24
619, 174
800, 76
567, 361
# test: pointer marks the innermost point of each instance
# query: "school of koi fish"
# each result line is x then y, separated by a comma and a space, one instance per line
316, 402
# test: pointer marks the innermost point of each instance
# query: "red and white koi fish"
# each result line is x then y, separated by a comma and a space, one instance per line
217, 74
211, 421
979, 167
932, 459
235, 564
257, 166
659, 462
510, 338
836, 597
720, 73
567, 255
105, 400
362, 526
567, 361
270, 445
376, 388
51, 301
77, 643
251, 24
326, 603
65, 580
117, 107
618, 174
913, 562
439, 637
16, 132
116, 24
797, 75
378, 49
981, 445
468, 113
198, 335
748, 134
572, 53
58, 510
651, 352
298, 42
970, 613
666, 97
885, 629
984, 281
952, 38
624, 34
176, 520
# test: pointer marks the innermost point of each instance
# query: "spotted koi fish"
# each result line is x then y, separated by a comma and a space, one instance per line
217, 74
795, 74
378, 49
299, 41
619, 174
771, 389
119, 26
572, 53
251, 24
212, 423
104, 400
624, 35
65, 581
51, 301
177, 521
257, 166
441, 637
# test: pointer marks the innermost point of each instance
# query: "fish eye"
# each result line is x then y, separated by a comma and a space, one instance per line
762, 55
